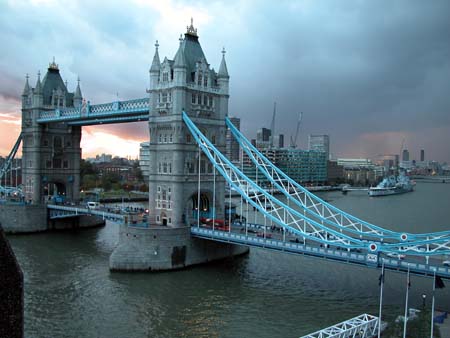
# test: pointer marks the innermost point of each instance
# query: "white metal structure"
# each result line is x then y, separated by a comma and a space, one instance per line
362, 326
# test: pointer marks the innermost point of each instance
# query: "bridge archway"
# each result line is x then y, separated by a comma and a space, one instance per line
54, 190
193, 207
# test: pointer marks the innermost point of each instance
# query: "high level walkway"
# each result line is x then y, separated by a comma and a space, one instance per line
106, 113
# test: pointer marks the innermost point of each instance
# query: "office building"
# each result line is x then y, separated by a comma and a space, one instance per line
319, 143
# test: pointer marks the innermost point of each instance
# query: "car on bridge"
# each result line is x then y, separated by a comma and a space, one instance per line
446, 263
93, 205
395, 255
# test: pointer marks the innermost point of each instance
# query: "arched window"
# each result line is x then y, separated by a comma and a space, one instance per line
199, 79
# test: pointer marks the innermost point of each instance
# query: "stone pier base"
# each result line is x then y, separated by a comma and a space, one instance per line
164, 248
33, 218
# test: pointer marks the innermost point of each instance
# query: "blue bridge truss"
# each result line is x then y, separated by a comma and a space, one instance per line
309, 226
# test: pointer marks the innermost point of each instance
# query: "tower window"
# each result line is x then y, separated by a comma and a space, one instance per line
194, 98
210, 101
165, 77
56, 163
57, 142
199, 80
205, 82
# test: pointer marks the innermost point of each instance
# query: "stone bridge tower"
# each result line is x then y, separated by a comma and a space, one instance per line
186, 83
51, 152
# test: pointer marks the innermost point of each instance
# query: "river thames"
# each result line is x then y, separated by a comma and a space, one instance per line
70, 292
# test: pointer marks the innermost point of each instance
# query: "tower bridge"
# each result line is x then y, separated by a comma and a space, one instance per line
186, 111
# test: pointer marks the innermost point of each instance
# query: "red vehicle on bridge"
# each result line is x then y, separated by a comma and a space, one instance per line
219, 224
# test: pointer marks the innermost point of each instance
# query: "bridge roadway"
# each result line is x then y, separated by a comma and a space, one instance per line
273, 238
62, 211
254, 236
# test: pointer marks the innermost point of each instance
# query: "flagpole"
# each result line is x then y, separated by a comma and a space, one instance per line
381, 298
432, 306
406, 305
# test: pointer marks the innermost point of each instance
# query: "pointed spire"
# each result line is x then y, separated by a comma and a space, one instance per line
53, 65
180, 60
223, 71
26, 89
37, 89
156, 64
190, 30
77, 94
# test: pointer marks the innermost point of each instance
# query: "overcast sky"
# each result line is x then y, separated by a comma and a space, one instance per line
368, 73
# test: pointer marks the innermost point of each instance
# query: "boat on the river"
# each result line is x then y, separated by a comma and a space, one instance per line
393, 185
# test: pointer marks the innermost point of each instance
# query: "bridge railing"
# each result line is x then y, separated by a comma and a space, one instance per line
335, 253
362, 326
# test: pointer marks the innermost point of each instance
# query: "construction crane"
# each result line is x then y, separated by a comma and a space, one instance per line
294, 141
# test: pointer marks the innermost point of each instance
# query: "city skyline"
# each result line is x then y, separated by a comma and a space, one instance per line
366, 76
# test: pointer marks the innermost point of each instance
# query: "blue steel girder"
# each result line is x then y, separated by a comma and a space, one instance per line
294, 221
112, 112
314, 206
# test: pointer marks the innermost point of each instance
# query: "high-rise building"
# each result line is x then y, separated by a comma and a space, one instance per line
232, 146
320, 143
278, 141
405, 155
422, 155
144, 159
263, 138
303, 166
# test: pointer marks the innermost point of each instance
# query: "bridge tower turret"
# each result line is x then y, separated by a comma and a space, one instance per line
77, 97
185, 84
51, 152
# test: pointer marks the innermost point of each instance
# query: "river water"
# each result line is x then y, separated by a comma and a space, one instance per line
69, 291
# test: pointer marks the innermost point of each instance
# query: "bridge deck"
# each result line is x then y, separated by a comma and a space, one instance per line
313, 249
61, 211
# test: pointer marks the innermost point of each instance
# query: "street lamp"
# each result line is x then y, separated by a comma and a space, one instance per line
424, 297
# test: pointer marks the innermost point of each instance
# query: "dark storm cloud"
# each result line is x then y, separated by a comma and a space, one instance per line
359, 70
352, 67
